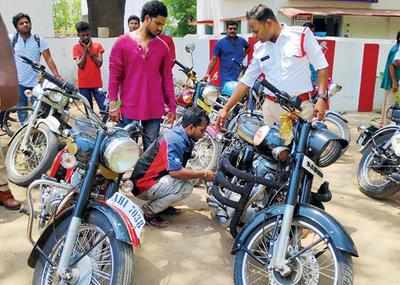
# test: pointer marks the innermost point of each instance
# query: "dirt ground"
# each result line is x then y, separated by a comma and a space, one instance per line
196, 250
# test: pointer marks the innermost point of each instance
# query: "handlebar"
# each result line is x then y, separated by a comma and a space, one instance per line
65, 85
69, 88
282, 98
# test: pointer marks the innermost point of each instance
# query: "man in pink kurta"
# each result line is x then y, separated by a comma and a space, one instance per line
140, 83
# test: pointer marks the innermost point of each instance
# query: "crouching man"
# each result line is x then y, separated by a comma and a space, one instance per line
160, 176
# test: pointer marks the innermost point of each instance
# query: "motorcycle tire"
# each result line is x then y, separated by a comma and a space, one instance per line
121, 253
377, 192
43, 165
343, 260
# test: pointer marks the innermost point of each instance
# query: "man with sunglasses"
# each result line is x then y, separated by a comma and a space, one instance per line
230, 50
283, 54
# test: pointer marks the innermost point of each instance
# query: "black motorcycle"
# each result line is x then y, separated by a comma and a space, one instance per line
379, 168
290, 242
93, 230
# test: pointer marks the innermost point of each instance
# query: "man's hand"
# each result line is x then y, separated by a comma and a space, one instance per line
209, 175
222, 116
114, 112
171, 118
320, 108
395, 87
205, 77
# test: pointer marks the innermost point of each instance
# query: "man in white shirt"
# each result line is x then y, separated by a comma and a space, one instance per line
283, 54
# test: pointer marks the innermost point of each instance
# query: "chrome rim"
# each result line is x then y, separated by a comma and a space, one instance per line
97, 267
372, 177
204, 154
318, 265
37, 146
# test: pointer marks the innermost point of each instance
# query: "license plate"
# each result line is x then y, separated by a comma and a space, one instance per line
130, 209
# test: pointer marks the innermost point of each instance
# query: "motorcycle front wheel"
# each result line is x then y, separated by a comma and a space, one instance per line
104, 260
25, 166
321, 264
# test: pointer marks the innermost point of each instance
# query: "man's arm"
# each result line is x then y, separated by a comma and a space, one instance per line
8, 74
168, 87
81, 61
98, 56
188, 174
50, 62
393, 76
211, 66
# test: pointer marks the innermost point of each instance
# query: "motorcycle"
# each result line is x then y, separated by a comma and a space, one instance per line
289, 241
378, 172
93, 229
33, 147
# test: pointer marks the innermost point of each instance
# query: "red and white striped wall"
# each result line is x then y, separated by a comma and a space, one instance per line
353, 63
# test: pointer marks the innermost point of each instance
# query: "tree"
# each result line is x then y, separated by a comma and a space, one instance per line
66, 14
106, 13
181, 12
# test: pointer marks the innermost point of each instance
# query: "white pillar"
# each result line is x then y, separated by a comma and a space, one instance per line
132, 7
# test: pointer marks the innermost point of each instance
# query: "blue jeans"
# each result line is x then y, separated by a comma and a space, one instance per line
89, 93
151, 130
23, 102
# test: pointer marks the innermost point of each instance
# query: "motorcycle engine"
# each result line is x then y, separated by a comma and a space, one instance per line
50, 199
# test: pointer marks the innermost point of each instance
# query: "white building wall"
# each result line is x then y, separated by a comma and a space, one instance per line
347, 66
40, 11
385, 27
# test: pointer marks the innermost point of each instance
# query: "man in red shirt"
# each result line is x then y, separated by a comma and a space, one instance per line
88, 55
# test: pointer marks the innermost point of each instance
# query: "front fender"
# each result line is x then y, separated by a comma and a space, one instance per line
337, 234
337, 115
381, 132
51, 122
121, 230
16, 133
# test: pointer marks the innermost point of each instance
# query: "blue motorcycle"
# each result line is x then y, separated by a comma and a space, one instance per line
92, 229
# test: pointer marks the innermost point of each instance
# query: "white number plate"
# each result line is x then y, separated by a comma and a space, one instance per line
310, 166
130, 209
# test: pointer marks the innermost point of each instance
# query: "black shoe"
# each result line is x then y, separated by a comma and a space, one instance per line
171, 211
156, 221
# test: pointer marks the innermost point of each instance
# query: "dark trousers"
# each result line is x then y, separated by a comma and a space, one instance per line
89, 93
23, 102
151, 130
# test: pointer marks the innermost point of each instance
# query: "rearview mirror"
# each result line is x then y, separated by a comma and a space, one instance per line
189, 48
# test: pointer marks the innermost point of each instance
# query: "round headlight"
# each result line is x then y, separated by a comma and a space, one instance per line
121, 154
210, 94
324, 146
55, 96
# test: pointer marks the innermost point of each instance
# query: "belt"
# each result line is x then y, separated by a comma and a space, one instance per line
302, 97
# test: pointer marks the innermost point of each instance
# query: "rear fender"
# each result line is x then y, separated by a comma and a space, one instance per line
381, 132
